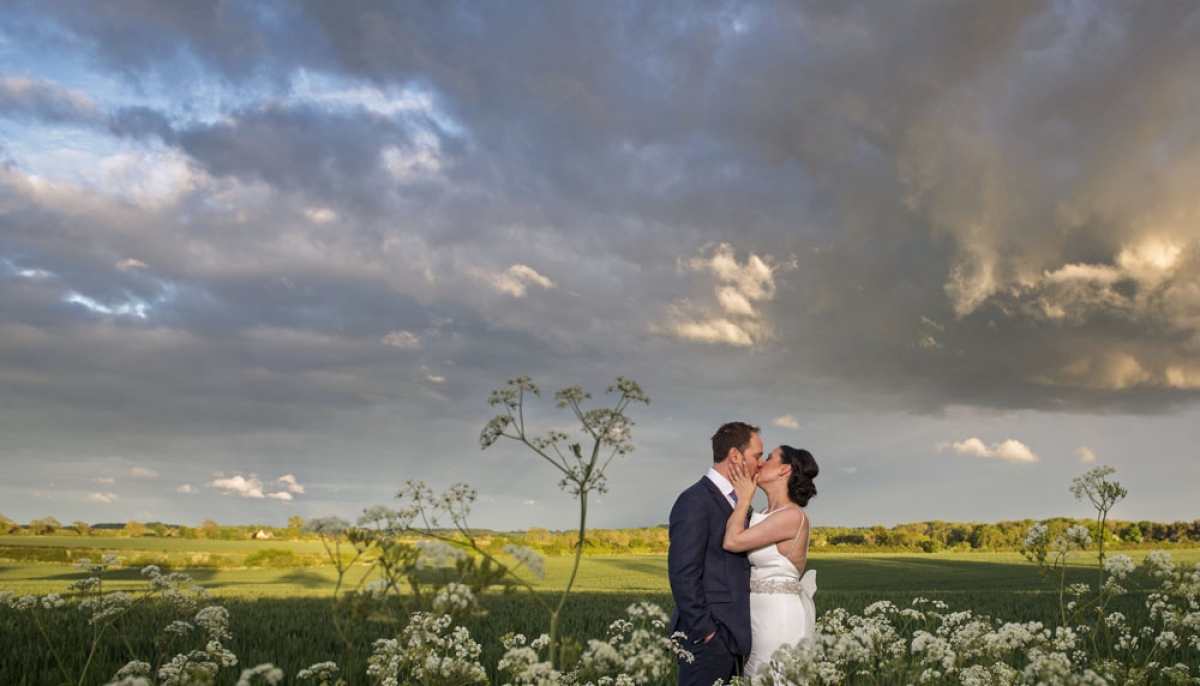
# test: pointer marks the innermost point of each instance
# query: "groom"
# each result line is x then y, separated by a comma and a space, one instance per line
711, 586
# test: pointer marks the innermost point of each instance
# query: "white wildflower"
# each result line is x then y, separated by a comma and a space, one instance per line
529, 558
266, 673
321, 672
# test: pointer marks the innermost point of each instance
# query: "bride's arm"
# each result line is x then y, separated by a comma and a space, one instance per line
781, 526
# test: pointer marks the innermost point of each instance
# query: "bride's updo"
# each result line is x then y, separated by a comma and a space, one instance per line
804, 470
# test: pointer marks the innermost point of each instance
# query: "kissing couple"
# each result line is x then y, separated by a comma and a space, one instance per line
736, 574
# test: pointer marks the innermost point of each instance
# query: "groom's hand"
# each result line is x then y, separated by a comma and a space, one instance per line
709, 637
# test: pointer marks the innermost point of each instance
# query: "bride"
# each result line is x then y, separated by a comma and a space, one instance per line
781, 606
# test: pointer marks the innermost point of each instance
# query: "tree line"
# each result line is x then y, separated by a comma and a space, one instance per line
927, 537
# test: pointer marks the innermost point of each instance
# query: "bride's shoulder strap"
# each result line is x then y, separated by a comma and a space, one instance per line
799, 530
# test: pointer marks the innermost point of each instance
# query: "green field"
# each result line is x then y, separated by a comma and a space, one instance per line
283, 615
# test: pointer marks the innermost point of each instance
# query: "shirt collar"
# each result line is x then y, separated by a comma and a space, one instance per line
721, 482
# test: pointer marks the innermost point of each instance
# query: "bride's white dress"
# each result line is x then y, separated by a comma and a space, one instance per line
781, 605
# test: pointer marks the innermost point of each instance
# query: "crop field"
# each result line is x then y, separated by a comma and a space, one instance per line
283, 616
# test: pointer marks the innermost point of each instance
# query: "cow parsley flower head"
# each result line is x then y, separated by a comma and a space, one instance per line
266, 673
528, 558
321, 672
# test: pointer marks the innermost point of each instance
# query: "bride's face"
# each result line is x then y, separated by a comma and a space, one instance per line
773, 467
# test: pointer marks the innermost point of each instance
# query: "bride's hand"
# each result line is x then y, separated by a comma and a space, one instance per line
743, 484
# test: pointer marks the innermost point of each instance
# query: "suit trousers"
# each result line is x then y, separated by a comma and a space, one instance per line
713, 661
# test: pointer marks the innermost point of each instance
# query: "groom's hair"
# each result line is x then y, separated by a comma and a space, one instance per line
732, 435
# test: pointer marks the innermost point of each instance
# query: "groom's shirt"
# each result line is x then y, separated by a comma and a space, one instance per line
722, 483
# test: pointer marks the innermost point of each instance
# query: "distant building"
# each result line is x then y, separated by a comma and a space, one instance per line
262, 534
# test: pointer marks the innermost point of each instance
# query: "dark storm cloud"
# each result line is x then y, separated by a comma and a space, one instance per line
978, 204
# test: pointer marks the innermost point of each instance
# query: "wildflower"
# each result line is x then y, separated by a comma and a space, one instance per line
1119, 566
529, 558
25, 603
52, 601
327, 526
455, 600
134, 668
435, 554
321, 672
269, 674
1036, 536
215, 620
178, 627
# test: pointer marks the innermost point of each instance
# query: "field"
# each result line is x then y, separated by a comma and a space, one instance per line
283, 615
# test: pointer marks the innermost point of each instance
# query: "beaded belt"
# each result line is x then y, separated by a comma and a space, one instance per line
788, 586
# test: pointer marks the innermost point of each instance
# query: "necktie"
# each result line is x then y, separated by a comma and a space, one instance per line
733, 496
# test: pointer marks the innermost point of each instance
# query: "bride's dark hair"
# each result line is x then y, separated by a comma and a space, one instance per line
804, 470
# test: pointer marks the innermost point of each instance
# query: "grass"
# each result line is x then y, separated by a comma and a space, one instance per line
283, 615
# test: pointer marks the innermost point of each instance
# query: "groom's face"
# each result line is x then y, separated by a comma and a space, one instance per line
751, 457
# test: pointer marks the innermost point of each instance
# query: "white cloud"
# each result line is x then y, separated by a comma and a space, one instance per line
529, 503
514, 281
850, 470
787, 421
282, 495
1010, 450
102, 497
241, 486
143, 473
187, 489
1085, 454
292, 485
130, 263
108, 480
732, 317
402, 339
434, 378
320, 215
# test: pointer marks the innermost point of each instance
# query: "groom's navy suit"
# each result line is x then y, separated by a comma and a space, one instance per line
711, 586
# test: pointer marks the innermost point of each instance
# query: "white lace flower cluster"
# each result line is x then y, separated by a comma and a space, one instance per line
323, 673
528, 558
429, 650
928, 644
435, 554
637, 649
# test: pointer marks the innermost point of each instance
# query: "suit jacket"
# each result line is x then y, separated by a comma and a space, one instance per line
711, 586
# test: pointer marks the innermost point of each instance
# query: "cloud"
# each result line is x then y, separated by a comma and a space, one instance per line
1010, 450
292, 485
143, 473
405, 340
240, 486
529, 503
787, 421
514, 281
20, 96
130, 263
730, 316
850, 470
106, 498
187, 489
281, 495
108, 480
1085, 454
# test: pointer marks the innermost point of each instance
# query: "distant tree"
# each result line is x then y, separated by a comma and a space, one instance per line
295, 526
8, 526
82, 528
135, 529
208, 529
160, 529
40, 527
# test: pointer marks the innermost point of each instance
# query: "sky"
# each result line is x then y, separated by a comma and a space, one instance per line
269, 259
